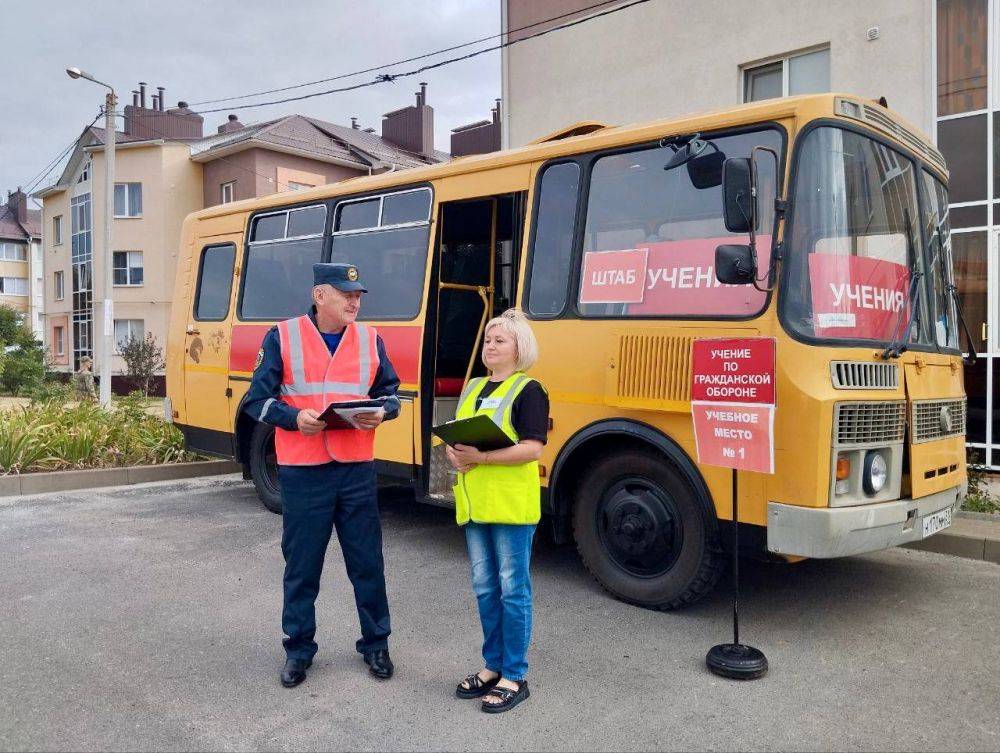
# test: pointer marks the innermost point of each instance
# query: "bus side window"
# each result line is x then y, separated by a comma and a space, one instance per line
215, 283
552, 247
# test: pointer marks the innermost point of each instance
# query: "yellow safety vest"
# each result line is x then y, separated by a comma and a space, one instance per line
497, 493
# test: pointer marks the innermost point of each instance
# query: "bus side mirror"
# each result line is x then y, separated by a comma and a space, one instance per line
735, 265
738, 201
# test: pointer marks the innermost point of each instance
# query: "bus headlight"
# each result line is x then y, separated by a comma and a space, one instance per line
875, 474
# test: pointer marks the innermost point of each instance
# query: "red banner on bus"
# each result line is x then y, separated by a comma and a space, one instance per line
613, 276
857, 296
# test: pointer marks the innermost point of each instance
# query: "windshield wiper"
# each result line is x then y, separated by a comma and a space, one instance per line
973, 356
898, 345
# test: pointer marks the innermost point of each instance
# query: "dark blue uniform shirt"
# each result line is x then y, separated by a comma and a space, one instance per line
263, 400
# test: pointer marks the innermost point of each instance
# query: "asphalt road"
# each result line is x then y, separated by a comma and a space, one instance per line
147, 617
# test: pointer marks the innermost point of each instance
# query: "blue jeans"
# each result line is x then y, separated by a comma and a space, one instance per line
500, 555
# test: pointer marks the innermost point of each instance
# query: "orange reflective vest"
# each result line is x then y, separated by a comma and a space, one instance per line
312, 378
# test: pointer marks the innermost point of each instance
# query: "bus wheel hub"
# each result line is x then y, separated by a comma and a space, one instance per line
640, 528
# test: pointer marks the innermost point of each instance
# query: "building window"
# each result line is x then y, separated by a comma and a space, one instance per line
128, 199
962, 40
126, 329
807, 73
228, 192
128, 268
85, 173
295, 186
60, 285
57, 230
58, 341
13, 252
13, 286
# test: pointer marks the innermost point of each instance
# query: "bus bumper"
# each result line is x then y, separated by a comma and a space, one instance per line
826, 532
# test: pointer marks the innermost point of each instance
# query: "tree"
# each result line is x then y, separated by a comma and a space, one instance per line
22, 361
143, 358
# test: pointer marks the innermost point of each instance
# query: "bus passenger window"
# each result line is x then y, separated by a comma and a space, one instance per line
650, 235
278, 276
552, 248
215, 283
386, 238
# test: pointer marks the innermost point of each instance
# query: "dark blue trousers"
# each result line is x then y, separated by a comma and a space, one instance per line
316, 499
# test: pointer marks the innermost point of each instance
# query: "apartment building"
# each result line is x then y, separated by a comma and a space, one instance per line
165, 168
936, 61
20, 260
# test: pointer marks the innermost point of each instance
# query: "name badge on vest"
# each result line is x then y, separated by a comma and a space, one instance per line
490, 403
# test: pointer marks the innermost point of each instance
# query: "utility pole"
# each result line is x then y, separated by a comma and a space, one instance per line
107, 341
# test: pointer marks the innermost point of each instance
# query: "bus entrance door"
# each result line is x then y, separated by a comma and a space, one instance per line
477, 279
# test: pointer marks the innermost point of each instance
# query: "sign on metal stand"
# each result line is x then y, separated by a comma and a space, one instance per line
732, 407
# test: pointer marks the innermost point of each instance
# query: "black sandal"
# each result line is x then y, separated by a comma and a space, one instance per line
508, 698
478, 687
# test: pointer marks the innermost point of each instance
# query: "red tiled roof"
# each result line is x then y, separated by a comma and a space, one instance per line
11, 229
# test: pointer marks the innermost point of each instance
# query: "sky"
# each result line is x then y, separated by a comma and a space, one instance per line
209, 50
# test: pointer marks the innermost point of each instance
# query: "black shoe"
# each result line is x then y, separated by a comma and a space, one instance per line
294, 672
508, 698
379, 663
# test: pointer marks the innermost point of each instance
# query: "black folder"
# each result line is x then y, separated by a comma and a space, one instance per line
479, 432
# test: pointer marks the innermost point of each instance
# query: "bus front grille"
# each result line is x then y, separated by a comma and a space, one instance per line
869, 423
937, 419
864, 375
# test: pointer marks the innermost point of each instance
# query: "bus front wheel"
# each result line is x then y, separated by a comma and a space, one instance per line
264, 467
642, 534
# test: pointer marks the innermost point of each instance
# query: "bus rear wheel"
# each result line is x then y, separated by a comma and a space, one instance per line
642, 534
264, 467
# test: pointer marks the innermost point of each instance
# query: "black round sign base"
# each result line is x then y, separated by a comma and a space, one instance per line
736, 661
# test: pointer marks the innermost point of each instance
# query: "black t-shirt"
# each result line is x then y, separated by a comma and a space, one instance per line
529, 413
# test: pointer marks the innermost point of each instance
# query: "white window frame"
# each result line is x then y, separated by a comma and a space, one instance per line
9, 282
748, 68
231, 185
130, 189
293, 185
128, 269
59, 285
130, 327
10, 247
57, 235
59, 335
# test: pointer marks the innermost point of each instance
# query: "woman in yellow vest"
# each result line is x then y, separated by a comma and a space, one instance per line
498, 500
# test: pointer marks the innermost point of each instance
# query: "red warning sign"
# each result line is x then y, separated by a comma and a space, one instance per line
732, 402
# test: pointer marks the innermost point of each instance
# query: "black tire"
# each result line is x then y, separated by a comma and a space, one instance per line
642, 532
264, 467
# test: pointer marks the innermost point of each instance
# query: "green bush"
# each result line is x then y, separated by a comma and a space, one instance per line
49, 435
22, 360
979, 499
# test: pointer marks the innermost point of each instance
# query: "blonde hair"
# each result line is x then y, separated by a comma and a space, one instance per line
514, 323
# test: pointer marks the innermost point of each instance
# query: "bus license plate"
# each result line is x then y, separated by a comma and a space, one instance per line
937, 522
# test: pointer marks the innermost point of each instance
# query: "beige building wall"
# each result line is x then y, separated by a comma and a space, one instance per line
258, 172
56, 258
171, 189
665, 59
16, 269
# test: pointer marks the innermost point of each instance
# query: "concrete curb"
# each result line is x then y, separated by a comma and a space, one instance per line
61, 481
972, 535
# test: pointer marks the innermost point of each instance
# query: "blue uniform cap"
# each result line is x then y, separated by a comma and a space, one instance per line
343, 277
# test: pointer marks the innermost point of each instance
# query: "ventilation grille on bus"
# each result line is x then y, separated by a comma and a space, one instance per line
863, 375
869, 423
654, 367
877, 118
937, 419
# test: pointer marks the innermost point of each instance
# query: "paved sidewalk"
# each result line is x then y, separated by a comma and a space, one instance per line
147, 618
977, 538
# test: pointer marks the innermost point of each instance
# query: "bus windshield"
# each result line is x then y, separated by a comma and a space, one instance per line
856, 270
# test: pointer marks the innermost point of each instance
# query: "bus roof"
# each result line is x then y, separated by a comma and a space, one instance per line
590, 136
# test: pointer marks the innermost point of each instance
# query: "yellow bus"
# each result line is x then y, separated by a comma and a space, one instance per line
820, 221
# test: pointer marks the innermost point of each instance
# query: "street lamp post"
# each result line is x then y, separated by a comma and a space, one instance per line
110, 102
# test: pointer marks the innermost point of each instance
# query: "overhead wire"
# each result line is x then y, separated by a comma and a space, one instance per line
47, 170
405, 60
390, 77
